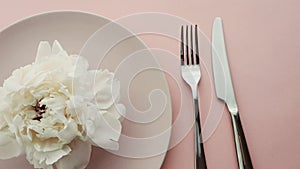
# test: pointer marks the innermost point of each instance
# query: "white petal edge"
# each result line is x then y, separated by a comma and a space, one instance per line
54, 156
56, 48
44, 50
78, 158
69, 132
104, 131
9, 146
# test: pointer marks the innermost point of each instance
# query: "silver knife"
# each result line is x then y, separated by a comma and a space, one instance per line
225, 92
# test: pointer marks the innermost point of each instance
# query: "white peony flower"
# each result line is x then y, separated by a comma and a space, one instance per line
55, 109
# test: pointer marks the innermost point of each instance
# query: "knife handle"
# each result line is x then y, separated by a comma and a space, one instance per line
243, 155
200, 162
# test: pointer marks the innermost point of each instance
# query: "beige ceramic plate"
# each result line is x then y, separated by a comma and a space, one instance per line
144, 90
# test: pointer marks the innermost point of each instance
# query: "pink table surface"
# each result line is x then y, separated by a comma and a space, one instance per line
263, 49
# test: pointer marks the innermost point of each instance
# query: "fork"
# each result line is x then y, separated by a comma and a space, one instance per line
190, 72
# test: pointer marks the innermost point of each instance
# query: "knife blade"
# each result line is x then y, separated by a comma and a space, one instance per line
222, 77
224, 90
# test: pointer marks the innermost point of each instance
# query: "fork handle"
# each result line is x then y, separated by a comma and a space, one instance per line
200, 162
243, 155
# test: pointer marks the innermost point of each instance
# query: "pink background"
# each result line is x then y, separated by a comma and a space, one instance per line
263, 50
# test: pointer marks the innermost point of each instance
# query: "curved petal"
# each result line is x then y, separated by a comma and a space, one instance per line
43, 51
118, 110
69, 132
104, 130
52, 157
114, 124
57, 48
81, 66
9, 147
122, 111
78, 158
116, 90
3, 93
45, 160
14, 82
104, 89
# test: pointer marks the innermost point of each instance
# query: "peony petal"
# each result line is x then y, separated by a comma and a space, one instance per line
78, 158
80, 66
82, 86
69, 132
52, 156
2, 123
122, 111
116, 90
43, 51
75, 106
104, 130
118, 110
55, 156
33, 78
55, 102
12, 84
47, 146
104, 89
56, 48
9, 147
3, 108
113, 123
3, 93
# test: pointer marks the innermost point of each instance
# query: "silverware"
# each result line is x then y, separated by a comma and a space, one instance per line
225, 92
190, 72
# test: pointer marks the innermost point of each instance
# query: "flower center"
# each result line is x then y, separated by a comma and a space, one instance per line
40, 110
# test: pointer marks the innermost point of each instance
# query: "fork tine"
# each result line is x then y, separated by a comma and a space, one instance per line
192, 49
187, 46
197, 47
182, 47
